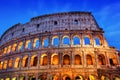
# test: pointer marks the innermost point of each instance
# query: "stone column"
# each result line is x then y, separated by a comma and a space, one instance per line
60, 40
72, 59
82, 40
38, 66
20, 64
50, 40
29, 59
117, 57
71, 39
16, 50
40, 42
24, 43
84, 59
95, 55
60, 59
107, 59
32, 42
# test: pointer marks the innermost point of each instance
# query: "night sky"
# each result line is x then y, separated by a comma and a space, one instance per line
106, 12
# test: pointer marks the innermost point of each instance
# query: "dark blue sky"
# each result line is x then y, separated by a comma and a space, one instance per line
106, 12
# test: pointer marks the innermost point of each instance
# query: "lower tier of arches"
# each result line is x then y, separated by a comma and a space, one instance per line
61, 74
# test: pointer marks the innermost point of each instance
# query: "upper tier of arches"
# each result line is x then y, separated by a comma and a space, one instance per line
53, 41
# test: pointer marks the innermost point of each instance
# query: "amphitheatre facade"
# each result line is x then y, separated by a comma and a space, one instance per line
60, 46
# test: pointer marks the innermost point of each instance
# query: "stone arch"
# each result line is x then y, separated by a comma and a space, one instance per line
8, 78
116, 77
99, 37
22, 77
14, 47
44, 59
34, 60
17, 62
87, 40
78, 60
76, 40
66, 40
45, 41
79, 77
14, 78
25, 61
10, 63
66, 77
101, 59
55, 40
31, 78
104, 77
36, 43
112, 59
20, 46
42, 77
66, 59
5, 64
54, 59
9, 49
5, 50
91, 77
54, 77
89, 59
28, 44
97, 41
1, 65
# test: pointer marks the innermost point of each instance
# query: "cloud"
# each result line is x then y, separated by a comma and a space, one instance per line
109, 19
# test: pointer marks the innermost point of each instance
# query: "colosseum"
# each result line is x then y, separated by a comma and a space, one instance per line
59, 46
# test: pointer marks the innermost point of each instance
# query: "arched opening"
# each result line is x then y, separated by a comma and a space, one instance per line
75, 22
1, 64
66, 59
5, 50
20, 46
14, 78
7, 78
42, 77
22, 78
54, 59
9, 49
67, 78
86, 40
36, 43
78, 60
112, 60
28, 44
44, 60
55, 77
45, 42
76, 40
116, 78
66, 40
78, 78
31, 78
25, 61
55, 41
97, 41
17, 61
89, 59
10, 63
101, 60
5, 64
104, 78
34, 60
91, 77
14, 47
